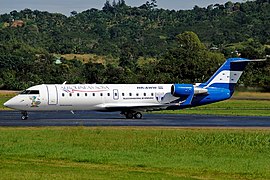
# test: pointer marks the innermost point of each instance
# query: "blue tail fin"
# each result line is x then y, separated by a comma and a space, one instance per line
227, 75
221, 85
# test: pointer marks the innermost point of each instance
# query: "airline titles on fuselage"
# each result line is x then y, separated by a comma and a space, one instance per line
85, 88
150, 87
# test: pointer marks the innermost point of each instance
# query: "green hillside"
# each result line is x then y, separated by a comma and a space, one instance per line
178, 46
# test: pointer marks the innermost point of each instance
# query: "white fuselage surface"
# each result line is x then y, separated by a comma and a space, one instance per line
105, 97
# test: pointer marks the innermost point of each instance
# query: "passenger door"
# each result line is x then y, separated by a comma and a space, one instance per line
52, 95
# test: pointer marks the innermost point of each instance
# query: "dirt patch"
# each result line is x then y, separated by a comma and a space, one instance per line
7, 92
251, 96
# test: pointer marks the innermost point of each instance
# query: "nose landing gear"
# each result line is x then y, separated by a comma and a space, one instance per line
24, 115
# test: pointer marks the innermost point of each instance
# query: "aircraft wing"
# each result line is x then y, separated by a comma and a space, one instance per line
166, 101
141, 107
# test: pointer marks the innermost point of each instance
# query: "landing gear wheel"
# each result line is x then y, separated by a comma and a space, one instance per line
24, 115
129, 115
138, 115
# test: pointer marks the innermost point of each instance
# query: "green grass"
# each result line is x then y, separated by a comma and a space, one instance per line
3, 99
230, 107
134, 153
85, 58
5, 96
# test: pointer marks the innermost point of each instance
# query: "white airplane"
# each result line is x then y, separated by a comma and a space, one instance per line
130, 99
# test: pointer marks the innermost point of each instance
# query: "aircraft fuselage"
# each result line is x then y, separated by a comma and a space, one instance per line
88, 96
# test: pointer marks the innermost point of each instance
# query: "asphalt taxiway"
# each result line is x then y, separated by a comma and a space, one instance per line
89, 118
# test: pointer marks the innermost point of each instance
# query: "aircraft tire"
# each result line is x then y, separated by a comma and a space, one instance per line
138, 115
24, 117
129, 115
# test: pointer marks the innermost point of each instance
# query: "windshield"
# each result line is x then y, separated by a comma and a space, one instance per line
30, 92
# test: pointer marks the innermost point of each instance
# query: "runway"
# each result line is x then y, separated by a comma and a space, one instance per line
89, 118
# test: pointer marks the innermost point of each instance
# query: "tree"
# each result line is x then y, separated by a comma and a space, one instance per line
94, 73
73, 13
253, 49
107, 6
190, 41
128, 56
190, 61
129, 33
148, 5
121, 3
153, 4
114, 4
229, 5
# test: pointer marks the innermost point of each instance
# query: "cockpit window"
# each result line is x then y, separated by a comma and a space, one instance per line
36, 92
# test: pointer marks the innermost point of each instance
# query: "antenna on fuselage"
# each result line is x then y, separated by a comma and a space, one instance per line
64, 82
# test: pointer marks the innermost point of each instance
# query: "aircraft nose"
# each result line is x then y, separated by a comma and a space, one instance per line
7, 104
14, 103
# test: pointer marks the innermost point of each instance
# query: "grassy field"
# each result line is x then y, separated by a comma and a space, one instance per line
4, 96
140, 153
251, 95
85, 58
230, 107
134, 153
241, 104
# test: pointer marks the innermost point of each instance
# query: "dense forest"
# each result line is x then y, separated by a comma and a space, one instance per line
142, 44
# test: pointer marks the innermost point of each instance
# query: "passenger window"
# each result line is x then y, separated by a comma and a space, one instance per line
144, 94
123, 94
70, 94
85, 94
152, 94
78, 94
63, 94
130, 94
137, 94
108, 94
101, 94
94, 94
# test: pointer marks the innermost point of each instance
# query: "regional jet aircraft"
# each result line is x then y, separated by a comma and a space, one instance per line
130, 99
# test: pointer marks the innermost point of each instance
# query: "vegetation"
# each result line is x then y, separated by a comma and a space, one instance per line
2, 101
5, 96
134, 153
230, 107
251, 95
118, 37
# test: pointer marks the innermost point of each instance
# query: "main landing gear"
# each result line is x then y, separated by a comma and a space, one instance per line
24, 115
131, 115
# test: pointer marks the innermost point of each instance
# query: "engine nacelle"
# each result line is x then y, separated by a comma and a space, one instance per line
180, 90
